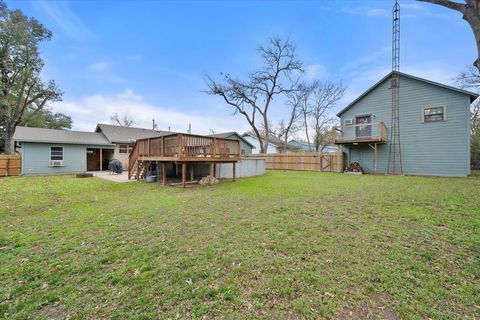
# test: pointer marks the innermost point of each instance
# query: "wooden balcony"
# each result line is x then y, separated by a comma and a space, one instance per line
183, 148
365, 133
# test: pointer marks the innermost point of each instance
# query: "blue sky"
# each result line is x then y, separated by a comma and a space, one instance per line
148, 58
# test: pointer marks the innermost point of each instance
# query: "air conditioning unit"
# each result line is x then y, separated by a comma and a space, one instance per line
348, 122
56, 163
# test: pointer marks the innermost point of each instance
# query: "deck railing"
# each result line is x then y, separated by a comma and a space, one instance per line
184, 147
360, 133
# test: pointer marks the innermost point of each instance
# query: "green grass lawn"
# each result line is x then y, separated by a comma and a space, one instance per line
285, 245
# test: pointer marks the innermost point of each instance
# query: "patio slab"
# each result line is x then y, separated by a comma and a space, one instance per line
123, 177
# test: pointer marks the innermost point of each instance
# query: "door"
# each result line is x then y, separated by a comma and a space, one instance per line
93, 160
364, 127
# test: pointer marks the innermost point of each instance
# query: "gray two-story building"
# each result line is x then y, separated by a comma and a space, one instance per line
434, 127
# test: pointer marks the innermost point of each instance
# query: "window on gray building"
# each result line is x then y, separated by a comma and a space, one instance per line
56, 153
434, 114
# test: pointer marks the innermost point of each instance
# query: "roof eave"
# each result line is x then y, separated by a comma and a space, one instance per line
473, 96
65, 142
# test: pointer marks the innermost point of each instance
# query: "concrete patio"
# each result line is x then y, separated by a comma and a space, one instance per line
112, 177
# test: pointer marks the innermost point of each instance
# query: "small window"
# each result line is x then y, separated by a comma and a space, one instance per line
56, 153
243, 152
124, 148
434, 114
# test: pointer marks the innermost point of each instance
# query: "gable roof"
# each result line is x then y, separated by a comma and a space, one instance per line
28, 134
118, 134
472, 95
226, 135
275, 141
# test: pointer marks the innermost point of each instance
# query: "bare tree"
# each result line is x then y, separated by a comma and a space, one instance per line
124, 121
253, 98
325, 97
286, 128
470, 79
303, 94
471, 13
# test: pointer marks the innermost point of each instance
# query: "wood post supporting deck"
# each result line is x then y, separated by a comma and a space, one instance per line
164, 173
184, 174
101, 158
234, 171
212, 171
138, 170
375, 160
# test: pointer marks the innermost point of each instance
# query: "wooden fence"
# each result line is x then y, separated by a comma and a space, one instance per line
10, 165
309, 161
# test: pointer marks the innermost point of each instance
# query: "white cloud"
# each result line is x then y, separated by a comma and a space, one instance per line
365, 63
68, 21
316, 71
98, 66
103, 71
366, 11
90, 110
377, 12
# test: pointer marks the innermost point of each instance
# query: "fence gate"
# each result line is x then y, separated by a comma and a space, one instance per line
10, 165
309, 161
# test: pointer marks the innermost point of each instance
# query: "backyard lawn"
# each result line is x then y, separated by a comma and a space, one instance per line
285, 245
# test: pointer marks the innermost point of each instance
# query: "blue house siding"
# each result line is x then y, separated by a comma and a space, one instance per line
435, 148
36, 158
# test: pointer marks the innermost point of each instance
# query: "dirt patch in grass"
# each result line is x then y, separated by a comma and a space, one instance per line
53, 311
378, 306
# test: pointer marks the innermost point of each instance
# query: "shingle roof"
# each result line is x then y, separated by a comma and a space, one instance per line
275, 141
472, 95
27, 134
118, 134
225, 135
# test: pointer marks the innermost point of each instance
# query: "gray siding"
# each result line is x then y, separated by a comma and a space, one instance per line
438, 148
36, 158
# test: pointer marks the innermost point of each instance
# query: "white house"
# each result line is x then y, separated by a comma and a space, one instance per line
273, 147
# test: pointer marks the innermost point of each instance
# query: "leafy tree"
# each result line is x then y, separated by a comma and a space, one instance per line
253, 97
23, 94
50, 120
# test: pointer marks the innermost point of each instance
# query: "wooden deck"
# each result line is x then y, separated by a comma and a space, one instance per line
360, 134
182, 149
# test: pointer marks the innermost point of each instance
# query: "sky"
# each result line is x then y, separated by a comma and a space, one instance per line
148, 59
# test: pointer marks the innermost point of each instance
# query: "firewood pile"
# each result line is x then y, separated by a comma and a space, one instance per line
208, 180
354, 167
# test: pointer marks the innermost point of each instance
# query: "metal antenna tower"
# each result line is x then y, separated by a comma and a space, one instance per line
395, 154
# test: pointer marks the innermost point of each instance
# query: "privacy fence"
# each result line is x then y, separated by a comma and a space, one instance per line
308, 161
10, 165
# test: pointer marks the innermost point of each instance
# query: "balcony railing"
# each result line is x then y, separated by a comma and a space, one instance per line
361, 133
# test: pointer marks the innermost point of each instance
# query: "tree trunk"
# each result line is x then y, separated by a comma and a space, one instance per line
265, 124
8, 137
471, 14
473, 19
306, 133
